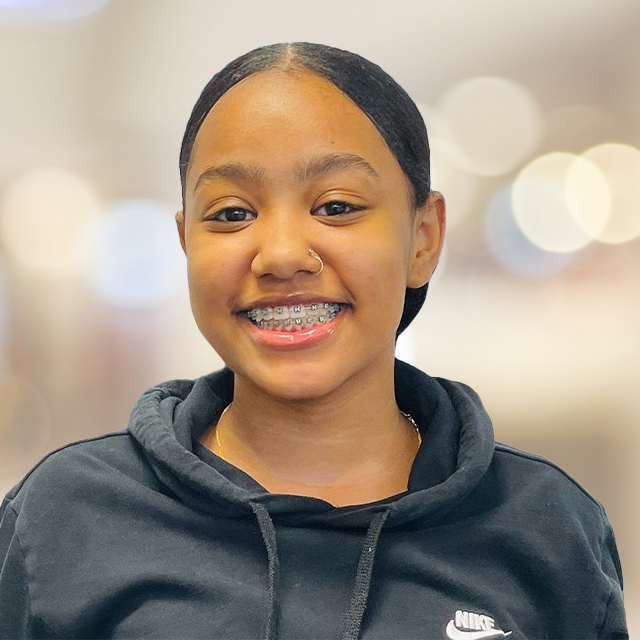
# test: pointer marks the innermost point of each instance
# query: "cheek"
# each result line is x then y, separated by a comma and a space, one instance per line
210, 279
379, 274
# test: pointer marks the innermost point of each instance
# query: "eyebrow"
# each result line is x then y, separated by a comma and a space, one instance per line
316, 166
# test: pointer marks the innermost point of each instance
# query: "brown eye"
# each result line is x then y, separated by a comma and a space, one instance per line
231, 214
337, 208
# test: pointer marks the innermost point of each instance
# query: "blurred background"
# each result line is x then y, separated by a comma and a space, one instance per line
533, 110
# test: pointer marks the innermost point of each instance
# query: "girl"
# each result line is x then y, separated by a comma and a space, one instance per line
315, 487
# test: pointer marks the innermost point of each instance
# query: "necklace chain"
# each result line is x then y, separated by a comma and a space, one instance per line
219, 444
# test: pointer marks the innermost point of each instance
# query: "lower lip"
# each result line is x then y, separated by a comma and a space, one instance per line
299, 338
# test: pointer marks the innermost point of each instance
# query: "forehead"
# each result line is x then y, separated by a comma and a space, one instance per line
279, 118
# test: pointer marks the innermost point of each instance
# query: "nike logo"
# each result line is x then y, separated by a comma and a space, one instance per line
456, 634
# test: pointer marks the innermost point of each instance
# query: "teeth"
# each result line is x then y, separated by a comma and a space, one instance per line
294, 317
297, 311
280, 313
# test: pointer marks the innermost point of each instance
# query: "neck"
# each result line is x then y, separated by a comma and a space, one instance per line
351, 446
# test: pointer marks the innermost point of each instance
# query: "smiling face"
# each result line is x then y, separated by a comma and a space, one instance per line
282, 163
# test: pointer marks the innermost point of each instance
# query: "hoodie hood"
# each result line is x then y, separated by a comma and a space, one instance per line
457, 449
456, 452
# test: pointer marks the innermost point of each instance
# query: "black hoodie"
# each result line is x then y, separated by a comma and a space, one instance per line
144, 533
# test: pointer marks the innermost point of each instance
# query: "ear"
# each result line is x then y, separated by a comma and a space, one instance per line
428, 237
181, 233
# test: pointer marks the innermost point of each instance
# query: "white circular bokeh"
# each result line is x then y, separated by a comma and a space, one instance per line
620, 165
560, 202
494, 123
47, 219
511, 248
137, 261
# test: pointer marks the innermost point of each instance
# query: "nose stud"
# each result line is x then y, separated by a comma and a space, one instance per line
317, 257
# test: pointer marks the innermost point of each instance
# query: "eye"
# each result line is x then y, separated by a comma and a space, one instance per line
231, 214
337, 208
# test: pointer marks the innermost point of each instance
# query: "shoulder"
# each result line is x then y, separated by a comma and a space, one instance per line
539, 469
78, 469
548, 506
542, 490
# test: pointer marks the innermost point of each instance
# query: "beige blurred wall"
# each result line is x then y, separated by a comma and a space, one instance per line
555, 358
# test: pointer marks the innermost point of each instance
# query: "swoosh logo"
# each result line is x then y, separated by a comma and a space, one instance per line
455, 634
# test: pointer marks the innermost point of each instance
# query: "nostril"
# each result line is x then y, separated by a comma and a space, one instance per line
285, 263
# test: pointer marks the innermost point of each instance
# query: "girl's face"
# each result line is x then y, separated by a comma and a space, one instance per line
284, 162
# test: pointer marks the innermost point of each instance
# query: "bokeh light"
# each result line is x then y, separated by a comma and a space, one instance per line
560, 202
494, 123
511, 248
50, 10
137, 261
47, 218
620, 165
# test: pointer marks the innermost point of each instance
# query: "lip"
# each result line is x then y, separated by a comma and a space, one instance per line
288, 301
295, 339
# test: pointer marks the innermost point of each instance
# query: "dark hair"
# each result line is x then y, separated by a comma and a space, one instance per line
375, 92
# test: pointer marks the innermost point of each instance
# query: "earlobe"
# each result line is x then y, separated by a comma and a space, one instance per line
428, 239
181, 232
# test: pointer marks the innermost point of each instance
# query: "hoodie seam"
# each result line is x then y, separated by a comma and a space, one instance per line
606, 613
24, 562
104, 436
535, 458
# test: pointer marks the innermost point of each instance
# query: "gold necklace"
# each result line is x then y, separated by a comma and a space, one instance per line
415, 426
219, 444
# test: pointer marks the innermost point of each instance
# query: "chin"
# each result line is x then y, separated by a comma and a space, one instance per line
301, 387
293, 383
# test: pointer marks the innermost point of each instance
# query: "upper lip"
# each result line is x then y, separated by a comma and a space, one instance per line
287, 301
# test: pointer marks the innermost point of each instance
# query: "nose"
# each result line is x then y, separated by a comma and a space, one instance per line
284, 250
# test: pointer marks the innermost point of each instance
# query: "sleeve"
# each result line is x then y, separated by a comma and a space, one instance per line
614, 626
14, 595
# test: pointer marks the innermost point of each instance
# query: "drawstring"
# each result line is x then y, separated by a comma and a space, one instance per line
353, 620
360, 593
269, 536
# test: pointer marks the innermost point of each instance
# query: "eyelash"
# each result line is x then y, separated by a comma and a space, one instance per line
353, 208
